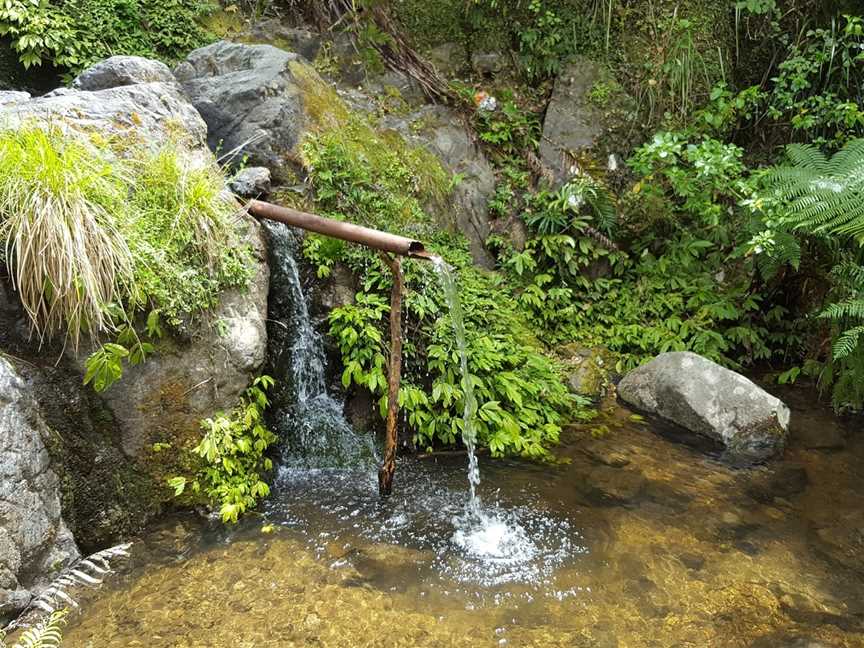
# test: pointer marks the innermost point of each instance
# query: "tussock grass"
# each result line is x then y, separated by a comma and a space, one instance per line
92, 238
184, 234
59, 207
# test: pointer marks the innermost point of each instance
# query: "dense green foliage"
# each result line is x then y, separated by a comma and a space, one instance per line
818, 197
72, 34
95, 241
681, 284
521, 399
232, 454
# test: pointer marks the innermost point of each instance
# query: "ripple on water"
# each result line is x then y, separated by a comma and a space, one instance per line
503, 544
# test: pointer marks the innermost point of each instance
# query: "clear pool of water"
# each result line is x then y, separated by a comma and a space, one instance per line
632, 539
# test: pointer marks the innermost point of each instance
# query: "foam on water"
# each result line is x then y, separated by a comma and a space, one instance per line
508, 543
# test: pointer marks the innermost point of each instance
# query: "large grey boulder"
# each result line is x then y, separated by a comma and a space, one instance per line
123, 71
708, 399
253, 98
34, 539
150, 112
572, 124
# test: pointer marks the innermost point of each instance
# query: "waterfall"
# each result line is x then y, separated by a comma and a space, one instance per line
307, 418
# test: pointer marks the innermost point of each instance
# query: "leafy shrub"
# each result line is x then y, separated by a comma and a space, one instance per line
521, 398
93, 240
819, 87
73, 34
233, 455
817, 196
677, 280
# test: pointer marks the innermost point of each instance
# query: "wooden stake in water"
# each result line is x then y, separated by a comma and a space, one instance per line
394, 377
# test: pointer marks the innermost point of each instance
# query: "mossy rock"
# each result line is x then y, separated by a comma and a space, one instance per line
588, 369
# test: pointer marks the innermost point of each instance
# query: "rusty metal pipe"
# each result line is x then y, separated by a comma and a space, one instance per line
367, 236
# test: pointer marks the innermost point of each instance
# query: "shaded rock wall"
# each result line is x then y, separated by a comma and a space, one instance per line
34, 538
109, 479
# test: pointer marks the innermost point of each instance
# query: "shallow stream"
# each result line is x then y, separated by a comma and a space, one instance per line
634, 539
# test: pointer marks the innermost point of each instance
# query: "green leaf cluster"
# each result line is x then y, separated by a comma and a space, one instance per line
73, 34
522, 400
233, 455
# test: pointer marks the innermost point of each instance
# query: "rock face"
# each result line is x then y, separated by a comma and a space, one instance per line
191, 379
264, 100
123, 71
251, 98
111, 480
437, 129
571, 123
705, 398
149, 111
251, 182
13, 96
34, 539
272, 31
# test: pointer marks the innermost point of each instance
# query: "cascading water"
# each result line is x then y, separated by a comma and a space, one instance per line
327, 484
308, 419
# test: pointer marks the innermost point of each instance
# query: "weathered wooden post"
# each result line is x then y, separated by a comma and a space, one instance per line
394, 376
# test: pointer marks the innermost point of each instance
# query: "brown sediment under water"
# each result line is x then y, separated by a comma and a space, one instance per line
634, 539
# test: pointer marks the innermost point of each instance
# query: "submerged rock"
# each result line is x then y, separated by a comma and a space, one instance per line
705, 398
34, 538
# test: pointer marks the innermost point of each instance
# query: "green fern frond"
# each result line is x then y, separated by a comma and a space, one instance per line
847, 342
822, 195
46, 634
809, 156
849, 275
850, 308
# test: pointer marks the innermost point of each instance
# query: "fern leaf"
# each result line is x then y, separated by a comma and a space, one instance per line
46, 634
847, 342
822, 195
